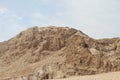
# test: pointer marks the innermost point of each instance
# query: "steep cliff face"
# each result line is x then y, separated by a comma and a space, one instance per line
56, 52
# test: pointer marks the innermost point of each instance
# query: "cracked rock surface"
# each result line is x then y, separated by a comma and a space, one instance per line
56, 52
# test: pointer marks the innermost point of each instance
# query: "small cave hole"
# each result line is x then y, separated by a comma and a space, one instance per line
86, 46
46, 76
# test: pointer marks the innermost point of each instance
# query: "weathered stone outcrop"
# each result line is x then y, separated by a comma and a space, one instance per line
56, 52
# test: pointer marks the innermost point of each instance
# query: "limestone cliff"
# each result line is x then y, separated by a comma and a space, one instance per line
56, 52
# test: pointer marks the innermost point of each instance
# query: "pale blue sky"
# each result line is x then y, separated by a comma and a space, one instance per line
97, 18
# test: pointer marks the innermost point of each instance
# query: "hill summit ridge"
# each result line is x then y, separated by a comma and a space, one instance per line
56, 52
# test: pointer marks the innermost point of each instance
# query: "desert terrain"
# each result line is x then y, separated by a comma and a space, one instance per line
103, 76
59, 53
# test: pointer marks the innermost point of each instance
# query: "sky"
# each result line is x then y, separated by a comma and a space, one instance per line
96, 18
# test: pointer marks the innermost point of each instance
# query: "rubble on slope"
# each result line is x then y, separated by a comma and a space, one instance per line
56, 52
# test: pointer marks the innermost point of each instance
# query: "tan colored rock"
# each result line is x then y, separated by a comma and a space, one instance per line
56, 52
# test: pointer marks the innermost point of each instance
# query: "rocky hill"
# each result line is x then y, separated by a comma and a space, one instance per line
56, 52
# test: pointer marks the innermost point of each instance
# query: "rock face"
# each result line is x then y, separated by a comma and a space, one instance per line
56, 52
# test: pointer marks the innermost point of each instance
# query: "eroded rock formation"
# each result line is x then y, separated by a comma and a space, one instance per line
56, 52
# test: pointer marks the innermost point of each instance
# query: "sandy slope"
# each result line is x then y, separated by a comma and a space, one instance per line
57, 52
104, 76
